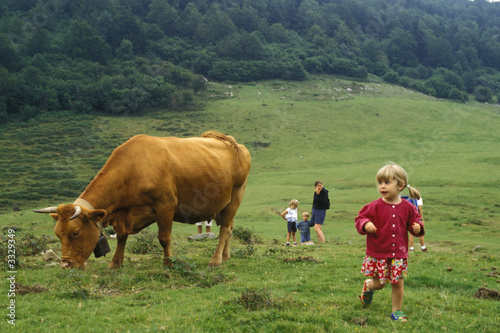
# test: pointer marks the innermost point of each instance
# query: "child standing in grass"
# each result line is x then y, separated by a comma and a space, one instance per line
386, 222
290, 215
416, 199
305, 229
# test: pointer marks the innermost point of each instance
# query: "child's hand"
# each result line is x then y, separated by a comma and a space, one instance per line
416, 228
370, 228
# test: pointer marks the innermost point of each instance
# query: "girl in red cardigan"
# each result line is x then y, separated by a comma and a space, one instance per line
386, 222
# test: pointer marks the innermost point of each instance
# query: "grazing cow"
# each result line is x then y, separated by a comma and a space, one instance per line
150, 179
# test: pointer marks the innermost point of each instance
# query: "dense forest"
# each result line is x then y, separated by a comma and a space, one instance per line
126, 56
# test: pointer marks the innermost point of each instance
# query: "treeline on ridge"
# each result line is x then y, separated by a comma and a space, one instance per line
126, 56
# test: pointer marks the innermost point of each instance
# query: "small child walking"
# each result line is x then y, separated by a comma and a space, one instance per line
386, 223
290, 215
416, 199
304, 227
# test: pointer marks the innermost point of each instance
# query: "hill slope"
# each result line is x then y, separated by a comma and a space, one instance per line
338, 131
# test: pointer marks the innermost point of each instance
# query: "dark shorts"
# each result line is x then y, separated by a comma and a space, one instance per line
318, 216
292, 226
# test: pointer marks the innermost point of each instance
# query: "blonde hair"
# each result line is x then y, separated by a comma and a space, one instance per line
294, 203
394, 171
306, 214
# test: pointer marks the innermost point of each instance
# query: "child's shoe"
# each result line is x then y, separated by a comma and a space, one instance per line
424, 249
399, 316
294, 243
412, 249
366, 295
287, 244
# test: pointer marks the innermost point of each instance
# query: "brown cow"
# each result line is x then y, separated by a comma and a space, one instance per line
150, 179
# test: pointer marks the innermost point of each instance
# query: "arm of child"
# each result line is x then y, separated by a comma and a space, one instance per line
417, 228
283, 214
370, 227
364, 221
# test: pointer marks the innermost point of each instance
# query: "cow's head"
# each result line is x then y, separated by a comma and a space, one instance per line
78, 230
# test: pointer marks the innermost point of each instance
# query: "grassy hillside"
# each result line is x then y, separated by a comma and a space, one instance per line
338, 131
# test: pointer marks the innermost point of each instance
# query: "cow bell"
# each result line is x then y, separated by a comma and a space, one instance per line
102, 247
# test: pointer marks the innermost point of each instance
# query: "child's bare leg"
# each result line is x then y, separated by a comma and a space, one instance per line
410, 240
397, 295
294, 238
288, 237
375, 284
421, 241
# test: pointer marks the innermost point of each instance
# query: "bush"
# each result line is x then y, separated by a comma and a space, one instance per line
246, 235
380, 69
72, 184
145, 242
391, 77
457, 95
256, 299
483, 94
404, 81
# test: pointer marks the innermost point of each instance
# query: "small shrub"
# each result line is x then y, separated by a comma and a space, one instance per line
145, 242
391, 77
272, 250
72, 184
247, 251
31, 245
212, 278
184, 268
483, 94
75, 276
256, 299
246, 235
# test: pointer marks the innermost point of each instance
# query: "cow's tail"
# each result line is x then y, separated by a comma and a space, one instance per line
222, 137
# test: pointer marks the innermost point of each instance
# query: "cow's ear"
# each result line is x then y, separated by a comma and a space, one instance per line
97, 215
55, 216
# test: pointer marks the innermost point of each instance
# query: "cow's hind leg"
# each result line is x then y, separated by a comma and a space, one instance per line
223, 251
165, 236
120, 250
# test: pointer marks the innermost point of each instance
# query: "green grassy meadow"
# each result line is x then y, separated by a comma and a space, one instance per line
325, 128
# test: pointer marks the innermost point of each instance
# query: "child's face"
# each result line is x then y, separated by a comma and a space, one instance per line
304, 217
389, 190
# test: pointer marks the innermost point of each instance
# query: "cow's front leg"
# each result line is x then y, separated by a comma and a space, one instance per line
117, 261
165, 235
226, 253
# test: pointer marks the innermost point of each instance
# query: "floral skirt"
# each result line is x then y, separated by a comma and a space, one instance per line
385, 269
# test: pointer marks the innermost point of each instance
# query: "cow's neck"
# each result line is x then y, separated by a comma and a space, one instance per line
83, 203
102, 193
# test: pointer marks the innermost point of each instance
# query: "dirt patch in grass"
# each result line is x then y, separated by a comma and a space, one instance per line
488, 294
310, 259
23, 290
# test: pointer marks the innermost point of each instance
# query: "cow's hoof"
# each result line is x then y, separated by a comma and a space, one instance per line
213, 264
114, 266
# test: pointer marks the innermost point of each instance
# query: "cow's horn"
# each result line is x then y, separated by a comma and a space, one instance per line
46, 210
78, 210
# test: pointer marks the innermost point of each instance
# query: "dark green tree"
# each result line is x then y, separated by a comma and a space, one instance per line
401, 48
85, 42
483, 94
